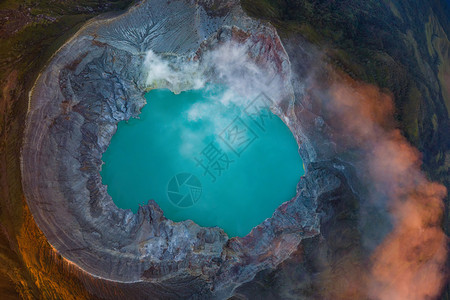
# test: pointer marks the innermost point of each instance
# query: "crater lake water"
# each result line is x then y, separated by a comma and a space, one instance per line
204, 156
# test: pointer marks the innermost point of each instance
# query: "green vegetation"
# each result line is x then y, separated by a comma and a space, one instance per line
382, 42
30, 32
398, 45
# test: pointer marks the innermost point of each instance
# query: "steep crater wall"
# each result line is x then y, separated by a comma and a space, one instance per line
97, 80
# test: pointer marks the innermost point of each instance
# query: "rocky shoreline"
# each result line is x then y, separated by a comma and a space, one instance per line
95, 81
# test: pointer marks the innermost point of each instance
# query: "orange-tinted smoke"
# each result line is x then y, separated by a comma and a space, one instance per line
410, 262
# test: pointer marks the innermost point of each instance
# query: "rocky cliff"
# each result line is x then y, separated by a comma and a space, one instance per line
314, 246
96, 80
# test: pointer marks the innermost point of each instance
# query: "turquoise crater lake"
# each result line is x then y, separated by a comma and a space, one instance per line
203, 155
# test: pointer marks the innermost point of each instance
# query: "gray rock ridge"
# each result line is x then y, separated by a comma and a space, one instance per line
95, 81
322, 264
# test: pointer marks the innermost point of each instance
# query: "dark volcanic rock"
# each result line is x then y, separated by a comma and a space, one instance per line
98, 79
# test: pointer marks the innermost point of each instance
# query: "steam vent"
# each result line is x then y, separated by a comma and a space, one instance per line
325, 236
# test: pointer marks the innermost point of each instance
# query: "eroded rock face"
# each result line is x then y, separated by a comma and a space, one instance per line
97, 80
